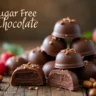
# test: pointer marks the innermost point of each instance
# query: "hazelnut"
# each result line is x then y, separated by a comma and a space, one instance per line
94, 84
92, 80
87, 84
92, 92
1, 78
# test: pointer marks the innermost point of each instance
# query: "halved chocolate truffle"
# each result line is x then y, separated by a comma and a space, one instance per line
68, 58
13, 62
52, 45
83, 46
36, 56
87, 72
63, 79
48, 67
66, 28
28, 74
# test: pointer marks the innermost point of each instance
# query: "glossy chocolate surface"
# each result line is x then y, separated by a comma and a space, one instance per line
13, 62
87, 72
63, 79
47, 67
52, 45
68, 58
83, 46
36, 56
66, 28
28, 74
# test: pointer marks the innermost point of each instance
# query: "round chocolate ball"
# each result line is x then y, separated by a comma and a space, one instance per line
66, 28
83, 46
13, 62
36, 56
68, 58
48, 67
52, 45
87, 72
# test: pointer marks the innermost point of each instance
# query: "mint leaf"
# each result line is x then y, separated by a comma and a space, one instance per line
87, 35
15, 49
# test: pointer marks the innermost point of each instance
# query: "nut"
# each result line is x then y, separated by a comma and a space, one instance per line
94, 84
92, 92
87, 84
1, 78
92, 80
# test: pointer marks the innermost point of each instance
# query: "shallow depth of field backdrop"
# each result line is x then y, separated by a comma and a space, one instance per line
48, 12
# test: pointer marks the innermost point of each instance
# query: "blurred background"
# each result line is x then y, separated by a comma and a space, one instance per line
48, 12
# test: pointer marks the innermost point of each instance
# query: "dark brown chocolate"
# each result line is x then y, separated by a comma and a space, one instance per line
63, 79
91, 58
28, 74
36, 56
48, 67
13, 62
87, 72
68, 58
66, 28
83, 46
52, 45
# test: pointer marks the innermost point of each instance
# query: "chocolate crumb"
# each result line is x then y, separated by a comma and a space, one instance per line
31, 88
36, 88
50, 42
54, 38
58, 89
62, 22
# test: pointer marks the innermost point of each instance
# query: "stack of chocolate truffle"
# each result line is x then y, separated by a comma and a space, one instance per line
61, 63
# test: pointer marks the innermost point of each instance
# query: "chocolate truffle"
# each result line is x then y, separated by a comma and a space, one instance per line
66, 28
83, 46
48, 67
28, 74
36, 56
63, 79
68, 58
13, 62
87, 72
52, 45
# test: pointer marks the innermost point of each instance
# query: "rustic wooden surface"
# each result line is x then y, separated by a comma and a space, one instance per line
7, 90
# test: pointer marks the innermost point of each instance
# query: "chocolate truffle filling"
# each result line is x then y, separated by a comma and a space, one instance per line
63, 78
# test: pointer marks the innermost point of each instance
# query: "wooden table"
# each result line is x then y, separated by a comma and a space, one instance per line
8, 90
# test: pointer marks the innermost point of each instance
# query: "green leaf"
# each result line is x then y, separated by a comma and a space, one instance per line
15, 49
87, 35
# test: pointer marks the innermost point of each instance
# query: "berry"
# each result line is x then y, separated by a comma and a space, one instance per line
2, 68
5, 56
94, 35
